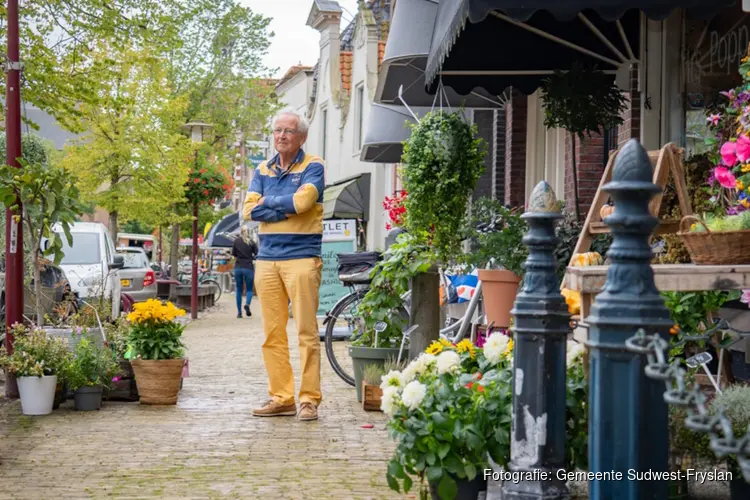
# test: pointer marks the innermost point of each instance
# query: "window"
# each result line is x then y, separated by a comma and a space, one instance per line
325, 132
85, 249
134, 260
360, 116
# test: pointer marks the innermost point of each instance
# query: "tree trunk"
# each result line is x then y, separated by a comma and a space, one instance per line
113, 226
174, 246
575, 175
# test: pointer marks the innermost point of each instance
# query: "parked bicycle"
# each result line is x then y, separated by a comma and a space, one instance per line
344, 325
204, 278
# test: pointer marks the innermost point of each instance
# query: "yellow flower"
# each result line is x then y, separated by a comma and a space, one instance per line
466, 345
746, 168
740, 185
509, 350
434, 348
446, 342
744, 59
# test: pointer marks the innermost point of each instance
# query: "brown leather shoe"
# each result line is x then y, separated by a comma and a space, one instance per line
273, 409
307, 411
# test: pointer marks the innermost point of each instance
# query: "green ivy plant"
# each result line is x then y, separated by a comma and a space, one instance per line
443, 162
581, 100
497, 233
406, 258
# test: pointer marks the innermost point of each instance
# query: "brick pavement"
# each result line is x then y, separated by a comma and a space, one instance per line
208, 446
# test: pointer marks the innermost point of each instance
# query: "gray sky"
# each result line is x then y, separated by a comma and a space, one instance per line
294, 42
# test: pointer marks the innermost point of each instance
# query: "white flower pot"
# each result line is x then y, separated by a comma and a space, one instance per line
37, 394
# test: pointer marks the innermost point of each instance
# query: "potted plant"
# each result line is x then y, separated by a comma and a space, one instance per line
449, 411
156, 351
734, 402
499, 254
383, 304
123, 383
89, 372
36, 361
371, 392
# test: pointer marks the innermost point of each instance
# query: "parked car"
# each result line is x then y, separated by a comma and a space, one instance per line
91, 263
58, 300
137, 278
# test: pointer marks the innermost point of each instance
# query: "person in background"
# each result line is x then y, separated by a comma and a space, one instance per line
244, 250
286, 197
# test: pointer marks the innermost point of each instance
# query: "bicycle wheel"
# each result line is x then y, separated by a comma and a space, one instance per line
216, 285
342, 324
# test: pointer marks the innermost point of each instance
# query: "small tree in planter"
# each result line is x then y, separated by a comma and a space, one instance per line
50, 198
156, 351
89, 372
38, 361
581, 101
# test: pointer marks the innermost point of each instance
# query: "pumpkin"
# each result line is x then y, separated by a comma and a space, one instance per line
587, 259
606, 211
573, 300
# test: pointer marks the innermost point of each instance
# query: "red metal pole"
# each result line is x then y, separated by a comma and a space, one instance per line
13, 228
194, 281
160, 246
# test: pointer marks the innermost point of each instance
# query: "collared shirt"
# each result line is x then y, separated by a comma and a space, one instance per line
291, 216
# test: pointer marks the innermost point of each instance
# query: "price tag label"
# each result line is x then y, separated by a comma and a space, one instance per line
13, 235
380, 326
699, 359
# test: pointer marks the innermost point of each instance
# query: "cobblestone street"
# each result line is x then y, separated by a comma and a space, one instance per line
209, 445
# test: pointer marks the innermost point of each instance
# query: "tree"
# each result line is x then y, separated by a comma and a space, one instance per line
51, 202
131, 160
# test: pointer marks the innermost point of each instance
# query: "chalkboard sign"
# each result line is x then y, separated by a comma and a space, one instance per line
699, 359
339, 236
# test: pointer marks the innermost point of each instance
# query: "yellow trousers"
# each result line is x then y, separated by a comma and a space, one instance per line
277, 282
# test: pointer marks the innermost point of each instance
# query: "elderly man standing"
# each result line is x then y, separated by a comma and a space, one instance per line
286, 197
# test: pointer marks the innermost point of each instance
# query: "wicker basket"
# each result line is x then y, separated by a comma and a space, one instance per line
717, 248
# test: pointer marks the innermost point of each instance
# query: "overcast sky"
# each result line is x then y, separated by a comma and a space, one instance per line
294, 42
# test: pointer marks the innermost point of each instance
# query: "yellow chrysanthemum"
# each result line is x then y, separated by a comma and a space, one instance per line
154, 310
434, 348
746, 168
740, 185
509, 350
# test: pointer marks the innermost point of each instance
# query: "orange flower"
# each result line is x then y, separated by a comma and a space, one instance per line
674, 330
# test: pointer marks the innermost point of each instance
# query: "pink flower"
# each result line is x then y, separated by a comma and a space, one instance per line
743, 148
115, 379
745, 299
729, 94
714, 119
729, 154
725, 177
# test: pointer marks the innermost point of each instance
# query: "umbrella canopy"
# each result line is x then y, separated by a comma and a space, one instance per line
224, 232
348, 198
405, 59
533, 38
386, 132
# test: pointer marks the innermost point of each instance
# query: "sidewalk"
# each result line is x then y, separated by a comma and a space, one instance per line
209, 445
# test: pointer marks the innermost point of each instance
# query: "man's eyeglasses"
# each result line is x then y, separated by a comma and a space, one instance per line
284, 131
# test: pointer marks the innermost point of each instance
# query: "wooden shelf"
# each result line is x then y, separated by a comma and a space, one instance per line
664, 227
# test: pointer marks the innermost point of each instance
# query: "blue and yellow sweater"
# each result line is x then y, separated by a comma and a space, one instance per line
291, 216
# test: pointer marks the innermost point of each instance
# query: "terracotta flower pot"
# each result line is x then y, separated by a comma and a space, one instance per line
499, 289
158, 381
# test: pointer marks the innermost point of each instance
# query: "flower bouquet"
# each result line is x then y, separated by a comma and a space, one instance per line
449, 411
723, 237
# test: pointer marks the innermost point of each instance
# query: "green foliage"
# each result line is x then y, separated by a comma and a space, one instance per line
582, 101
137, 227
443, 162
497, 233
161, 340
91, 365
576, 414
740, 222
690, 311
35, 354
116, 333
34, 149
403, 260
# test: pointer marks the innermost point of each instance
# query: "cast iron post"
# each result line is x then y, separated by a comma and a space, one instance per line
628, 426
542, 322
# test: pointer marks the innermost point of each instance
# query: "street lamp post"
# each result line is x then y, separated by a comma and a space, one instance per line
13, 221
197, 131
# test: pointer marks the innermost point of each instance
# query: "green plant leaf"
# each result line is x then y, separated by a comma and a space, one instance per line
447, 489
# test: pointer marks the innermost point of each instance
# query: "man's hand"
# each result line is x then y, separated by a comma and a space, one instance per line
262, 199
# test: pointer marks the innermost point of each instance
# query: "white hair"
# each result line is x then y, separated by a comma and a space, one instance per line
302, 124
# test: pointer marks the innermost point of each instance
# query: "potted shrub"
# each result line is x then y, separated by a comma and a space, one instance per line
734, 402
89, 372
157, 351
37, 361
449, 411
499, 254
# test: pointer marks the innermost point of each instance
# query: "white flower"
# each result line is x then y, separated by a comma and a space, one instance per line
389, 399
574, 351
448, 362
419, 366
414, 393
495, 346
393, 378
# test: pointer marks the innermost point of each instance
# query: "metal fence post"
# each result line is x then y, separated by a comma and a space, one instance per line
628, 419
542, 322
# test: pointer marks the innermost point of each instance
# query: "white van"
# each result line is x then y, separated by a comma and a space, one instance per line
91, 263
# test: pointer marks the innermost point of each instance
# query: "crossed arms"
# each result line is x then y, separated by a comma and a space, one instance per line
261, 208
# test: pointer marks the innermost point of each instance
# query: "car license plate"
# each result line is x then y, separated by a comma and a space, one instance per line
125, 282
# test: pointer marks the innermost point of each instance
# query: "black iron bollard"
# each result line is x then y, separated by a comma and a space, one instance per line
542, 322
628, 420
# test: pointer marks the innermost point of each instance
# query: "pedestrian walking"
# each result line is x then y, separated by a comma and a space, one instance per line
286, 197
244, 250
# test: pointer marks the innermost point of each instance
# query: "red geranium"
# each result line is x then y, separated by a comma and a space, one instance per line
396, 210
